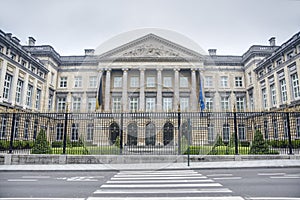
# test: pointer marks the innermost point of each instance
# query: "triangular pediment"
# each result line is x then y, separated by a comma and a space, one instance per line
151, 46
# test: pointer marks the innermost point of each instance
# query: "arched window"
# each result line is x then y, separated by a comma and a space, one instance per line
168, 133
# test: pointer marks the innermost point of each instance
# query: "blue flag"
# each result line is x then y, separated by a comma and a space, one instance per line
99, 100
201, 98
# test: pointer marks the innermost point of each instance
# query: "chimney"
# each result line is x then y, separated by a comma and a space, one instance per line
31, 41
212, 52
15, 40
89, 52
272, 41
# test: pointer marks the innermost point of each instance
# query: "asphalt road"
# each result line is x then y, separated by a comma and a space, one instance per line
237, 184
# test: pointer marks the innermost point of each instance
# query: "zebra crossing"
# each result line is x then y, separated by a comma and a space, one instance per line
161, 185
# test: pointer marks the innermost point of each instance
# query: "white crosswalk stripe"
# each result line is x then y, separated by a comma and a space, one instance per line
172, 184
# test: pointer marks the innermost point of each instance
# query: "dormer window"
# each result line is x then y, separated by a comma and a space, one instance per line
269, 68
13, 56
278, 62
24, 63
289, 55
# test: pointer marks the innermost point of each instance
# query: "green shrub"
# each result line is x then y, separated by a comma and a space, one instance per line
244, 143
117, 142
4, 145
296, 143
41, 145
57, 144
259, 146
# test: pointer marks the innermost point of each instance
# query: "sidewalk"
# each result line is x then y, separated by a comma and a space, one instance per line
155, 166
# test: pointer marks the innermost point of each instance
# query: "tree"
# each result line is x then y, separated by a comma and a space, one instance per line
259, 145
41, 145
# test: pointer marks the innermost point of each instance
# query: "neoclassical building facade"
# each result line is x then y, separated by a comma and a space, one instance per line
149, 74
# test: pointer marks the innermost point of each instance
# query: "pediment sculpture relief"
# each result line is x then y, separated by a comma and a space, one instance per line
152, 51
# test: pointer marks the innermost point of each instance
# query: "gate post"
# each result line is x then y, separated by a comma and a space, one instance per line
289, 133
121, 134
179, 134
65, 132
236, 144
12, 133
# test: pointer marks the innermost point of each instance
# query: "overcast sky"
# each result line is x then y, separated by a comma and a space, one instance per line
231, 26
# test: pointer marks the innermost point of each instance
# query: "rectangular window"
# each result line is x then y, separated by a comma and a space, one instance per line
150, 104
251, 102
150, 81
210, 131
26, 129
209, 103
63, 82
7, 86
59, 131
93, 81
266, 130
91, 104
275, 129
273, 94
167, 81
78, 82
226, 132
225, 103
3, 126
167, 104
116, 104
90, 132
298, 128
285, 129
76, 104
134, 82
75, 132
240, 103
29, 96
16, 129
283, 90
184, 82
241, 131
238, 81
208, 81
61, 104
134, 104
50, 101
295, 85
224, 81
38, 99
264, 98
19, 91
184, 104
117, 82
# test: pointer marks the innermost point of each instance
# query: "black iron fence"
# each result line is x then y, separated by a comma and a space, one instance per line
214, 133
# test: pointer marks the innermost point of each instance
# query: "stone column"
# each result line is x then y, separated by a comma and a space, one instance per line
176, 89
194, 102
14, 86
159, 90
142, 89
100, 77
125, 91
2, 78
25, 90
107, 91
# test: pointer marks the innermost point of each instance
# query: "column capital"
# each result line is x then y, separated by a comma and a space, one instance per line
159, 69
125, 69
176, 69
142, 69
108, 69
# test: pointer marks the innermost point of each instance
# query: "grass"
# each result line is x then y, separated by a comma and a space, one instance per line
90, 150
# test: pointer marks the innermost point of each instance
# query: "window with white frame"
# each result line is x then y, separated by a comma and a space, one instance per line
224, 81
61, 104
226, 132
76, 104
283, 90
210, 130
240, 103
3, 126
241, 131
26, 129
38, 99
285, 128
134, 104
264, 98
225, 103
7, 86
150, 81
63, 82
16, 128
167, 81
295, 85
150, 104
59, 131
117, 82
75, 132
91, 104
298, 128
167, 104
78, 81
208, 81
90, 132
209, 103
134, 82
184, 103
93, 81
266, 131
273, 94
19, 91
275, 129
116, 104
184, 82
238, 81
29, 95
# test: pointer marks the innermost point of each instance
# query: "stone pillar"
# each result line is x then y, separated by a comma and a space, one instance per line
25, 90
176, 89
34, 92
142, 89
100, 77
107, 91
14, 86
194, 102
159, 90
2, 78
125, 91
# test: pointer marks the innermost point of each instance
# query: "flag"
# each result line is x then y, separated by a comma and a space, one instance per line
201, 98
99, 97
